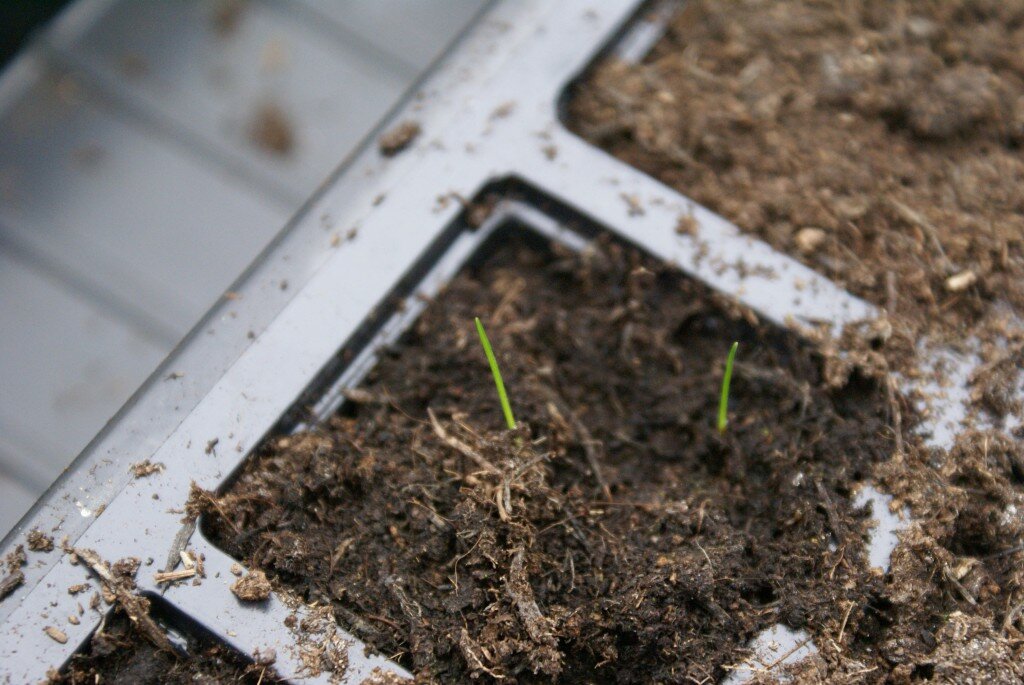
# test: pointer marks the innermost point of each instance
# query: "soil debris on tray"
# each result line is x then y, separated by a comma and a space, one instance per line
879, 143
398, 138
146, 468
466, 551
271, 130
38, 541
118, 653
253, 587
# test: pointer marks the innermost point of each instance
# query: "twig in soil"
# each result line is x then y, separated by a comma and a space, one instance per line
894, 410
952, 580
212, 500
912, 216
462, 447
711, 566
723, 402
834, 520
469, 649
521, 593
1011, 616
506, 408
765, 668
582, 435
846, 617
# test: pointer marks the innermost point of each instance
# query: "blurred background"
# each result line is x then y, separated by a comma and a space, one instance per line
149, 149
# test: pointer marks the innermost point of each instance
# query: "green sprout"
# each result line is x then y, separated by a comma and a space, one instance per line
723, 402
506, 408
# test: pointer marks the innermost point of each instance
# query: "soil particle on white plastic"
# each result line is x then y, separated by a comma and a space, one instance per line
146, 468
271, 130
398, 138
252, 588
38, 541
56, 634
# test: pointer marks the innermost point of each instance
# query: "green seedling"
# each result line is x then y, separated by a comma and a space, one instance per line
723, 402
506, 408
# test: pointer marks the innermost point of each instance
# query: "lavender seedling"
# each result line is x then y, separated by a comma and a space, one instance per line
506, 408
723, 402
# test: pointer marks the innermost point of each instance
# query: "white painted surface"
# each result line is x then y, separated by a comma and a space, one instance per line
66, 366
132, 194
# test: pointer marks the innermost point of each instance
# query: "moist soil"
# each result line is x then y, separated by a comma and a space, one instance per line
118, 653
615, 535
880, 143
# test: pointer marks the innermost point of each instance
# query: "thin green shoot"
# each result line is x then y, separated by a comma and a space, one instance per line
506, 408
723, 402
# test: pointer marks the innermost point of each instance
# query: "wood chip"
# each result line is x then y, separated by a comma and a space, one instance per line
961, 281
56, 634
809, 239
10, 583
171, 576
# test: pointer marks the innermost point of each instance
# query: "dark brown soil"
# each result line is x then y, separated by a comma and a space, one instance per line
876, 140
880, 143
616, 536
118, 653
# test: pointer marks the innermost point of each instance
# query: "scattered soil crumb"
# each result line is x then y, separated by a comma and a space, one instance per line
398, 138
271, 129
38, 541
381, 677
56, 634
503, 110
146, 468
253, 587
687, 225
